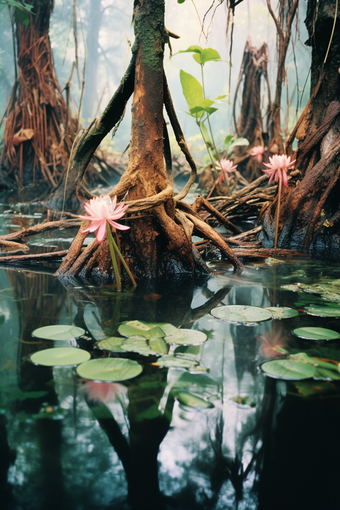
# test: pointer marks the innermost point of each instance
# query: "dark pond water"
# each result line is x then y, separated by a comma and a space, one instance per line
263, 444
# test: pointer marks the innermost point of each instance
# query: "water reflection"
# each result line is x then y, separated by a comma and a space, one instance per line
66, 443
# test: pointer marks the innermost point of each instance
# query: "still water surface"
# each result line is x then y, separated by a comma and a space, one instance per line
265, 443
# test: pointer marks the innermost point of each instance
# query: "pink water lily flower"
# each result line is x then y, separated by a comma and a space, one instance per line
258, 152
226, 166
100, 210
277, 168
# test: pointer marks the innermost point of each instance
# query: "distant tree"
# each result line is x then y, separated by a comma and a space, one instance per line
310, 212
39, 129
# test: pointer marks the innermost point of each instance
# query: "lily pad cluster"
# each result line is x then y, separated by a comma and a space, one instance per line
301, 366
327, 291
146, 339
155, 339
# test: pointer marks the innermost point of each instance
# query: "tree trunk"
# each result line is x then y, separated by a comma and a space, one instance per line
309, 219
159, 242
39, 128
283, 23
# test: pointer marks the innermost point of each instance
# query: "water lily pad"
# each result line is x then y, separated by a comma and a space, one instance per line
189, 400
109, 369
137, 328
312, 333
113, 343
60, 356
323, 311
240, 313
282, 312
166, 327
159, 345
187, 337
137, 344
58, 332
288, 369
176, 361
324, 374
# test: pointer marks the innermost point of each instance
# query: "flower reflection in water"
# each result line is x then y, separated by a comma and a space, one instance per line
270, 342
103, 392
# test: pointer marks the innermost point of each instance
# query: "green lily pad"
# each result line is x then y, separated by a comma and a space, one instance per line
113, 343
189, 400
159, 345
192, 350
323, 311
167, 328
176, 361
324, 374
282, 312
137, 344
109, 369
58, 332
311, 333
187, 337
240, 313
288, 369
60, 356
137, 328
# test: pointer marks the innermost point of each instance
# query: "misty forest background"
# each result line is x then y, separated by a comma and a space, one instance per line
105, 35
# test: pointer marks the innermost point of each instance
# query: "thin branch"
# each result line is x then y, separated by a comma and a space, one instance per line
180, 140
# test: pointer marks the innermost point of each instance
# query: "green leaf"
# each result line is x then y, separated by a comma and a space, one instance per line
59, 332
112, 343
203, 106
180, 1
176, 361
23, 17
60, 356
325, 374
159, 345
288, 369
137, 344
166, 327
189, 400
228, 140
207, 55
138, 328
186, 337
109, 369
192, 89
330, 310
152, 347
238, 142
192, 350
238, 313
312, 333
282, 312
202, 55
